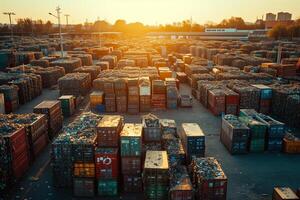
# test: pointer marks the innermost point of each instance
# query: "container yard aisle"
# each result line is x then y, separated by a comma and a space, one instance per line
251, 175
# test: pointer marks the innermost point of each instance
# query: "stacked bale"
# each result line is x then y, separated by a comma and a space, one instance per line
69, 64
158, 100
75, 84
145, 94
133, 96
110, 96
121, 94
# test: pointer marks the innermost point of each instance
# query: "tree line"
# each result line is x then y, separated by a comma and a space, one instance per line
29, 26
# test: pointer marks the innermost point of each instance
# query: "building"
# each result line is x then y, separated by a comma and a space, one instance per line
270, 17
284, 16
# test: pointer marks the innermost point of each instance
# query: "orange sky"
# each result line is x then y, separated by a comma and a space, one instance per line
148, 11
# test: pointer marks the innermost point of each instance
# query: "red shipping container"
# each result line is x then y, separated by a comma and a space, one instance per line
232, 97
20, 164
216, 101
213, 189
18, 142
40, 144
107, 163
131, 165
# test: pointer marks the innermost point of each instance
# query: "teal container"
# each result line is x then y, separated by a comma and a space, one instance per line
131, 146
107, 187
257, 145
67, 105
4, 60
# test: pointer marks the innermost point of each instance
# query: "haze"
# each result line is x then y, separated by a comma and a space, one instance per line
148, 11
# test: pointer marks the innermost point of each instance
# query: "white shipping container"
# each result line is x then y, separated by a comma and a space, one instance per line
2, 104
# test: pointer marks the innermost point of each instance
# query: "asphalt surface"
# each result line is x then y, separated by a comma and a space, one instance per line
250, 177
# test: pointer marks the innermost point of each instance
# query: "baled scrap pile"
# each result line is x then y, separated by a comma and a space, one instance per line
239, 75
75, 84
49, 75
94, 71
145, 94
280, 106
133, 105
11, 97
180, 183
226, 68
99, 52
75, 144
86, 59
111, 59
10, 151
121, 91
104, 65
292, 110
208, 178
109, 95
249, 95
158, 100
194, 69
23, 57
30, 85
70, 64
125, 62
197, 77
41, 63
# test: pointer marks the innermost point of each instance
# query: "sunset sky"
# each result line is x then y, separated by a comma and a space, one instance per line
148, 11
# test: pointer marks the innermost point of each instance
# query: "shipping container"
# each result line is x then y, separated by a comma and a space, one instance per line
291, 144
156, 175
132, 183
107, 187
151, 128
131, 140
84, 170
67, 103
209, 179
193, 140
83, 187
234, 135
96, 98
258, 130
131, 165
108, 130
107, 163
284, 193
181, 187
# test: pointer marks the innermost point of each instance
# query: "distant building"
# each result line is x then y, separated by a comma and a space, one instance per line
284, 16
270, 17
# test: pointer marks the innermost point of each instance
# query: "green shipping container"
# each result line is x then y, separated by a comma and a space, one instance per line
131, 140
67, 105
108, 187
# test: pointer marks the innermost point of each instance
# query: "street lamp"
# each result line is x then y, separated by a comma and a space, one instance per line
67, 19
10, 26
60, 35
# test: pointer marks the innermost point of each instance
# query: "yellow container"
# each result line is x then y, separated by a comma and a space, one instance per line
96, 98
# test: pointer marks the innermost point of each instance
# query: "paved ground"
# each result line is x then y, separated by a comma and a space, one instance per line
250, 177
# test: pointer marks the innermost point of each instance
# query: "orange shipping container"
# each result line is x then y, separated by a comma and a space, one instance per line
291, 146
84, 170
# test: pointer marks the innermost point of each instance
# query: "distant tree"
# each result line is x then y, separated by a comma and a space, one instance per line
101, 25
278, 31
293, 31
120, 25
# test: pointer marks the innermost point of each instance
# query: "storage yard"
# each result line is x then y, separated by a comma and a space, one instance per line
126, 120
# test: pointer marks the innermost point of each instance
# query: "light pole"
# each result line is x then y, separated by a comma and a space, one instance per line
60, 35
67, 19
10, 26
